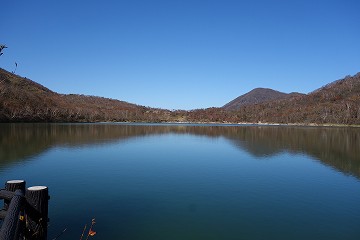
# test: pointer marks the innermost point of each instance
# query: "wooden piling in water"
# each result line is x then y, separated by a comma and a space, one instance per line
30, 204
12, 186
37, 198
10, 229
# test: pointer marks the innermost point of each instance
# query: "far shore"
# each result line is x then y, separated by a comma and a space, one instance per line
243, 124
205, 123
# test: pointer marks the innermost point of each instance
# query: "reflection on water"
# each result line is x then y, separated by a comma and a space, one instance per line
190, 181
335, 147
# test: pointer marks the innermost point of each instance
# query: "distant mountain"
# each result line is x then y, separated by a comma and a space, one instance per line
23, 100
335, 103
256, 96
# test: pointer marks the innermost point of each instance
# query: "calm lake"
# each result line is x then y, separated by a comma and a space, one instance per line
173, 181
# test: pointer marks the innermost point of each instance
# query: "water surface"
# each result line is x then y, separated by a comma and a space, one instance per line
191, 181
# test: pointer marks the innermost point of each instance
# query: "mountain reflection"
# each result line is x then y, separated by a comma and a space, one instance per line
335, 147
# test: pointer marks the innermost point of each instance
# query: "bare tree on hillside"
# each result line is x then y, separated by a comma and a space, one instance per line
1, 48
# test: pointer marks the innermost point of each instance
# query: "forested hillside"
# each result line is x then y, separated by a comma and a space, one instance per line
257, 95
335, 103
23, 100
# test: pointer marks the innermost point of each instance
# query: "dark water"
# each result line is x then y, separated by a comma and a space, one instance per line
190, 182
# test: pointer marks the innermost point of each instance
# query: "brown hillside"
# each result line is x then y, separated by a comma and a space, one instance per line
22, 100
335, 103
255, 96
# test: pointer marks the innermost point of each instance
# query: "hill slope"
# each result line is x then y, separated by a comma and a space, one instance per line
255, 96
24, 100
335, 103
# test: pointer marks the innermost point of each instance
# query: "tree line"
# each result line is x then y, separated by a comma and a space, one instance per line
22, 100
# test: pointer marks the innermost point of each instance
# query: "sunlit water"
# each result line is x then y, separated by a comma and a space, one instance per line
190, 182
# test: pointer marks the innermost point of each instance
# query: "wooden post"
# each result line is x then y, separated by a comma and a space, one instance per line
37, 198
10, 227
12, 186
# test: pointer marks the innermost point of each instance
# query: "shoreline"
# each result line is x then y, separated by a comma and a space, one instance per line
201, 123
241, 124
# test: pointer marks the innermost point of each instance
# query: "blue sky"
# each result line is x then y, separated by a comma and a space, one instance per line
180, 54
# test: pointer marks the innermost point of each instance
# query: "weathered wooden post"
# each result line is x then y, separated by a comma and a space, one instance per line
12, 186
37, 198
10, 228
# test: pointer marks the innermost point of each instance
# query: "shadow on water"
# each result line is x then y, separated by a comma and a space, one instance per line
335, 147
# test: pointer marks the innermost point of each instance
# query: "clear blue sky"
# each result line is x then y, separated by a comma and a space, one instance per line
180, 54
